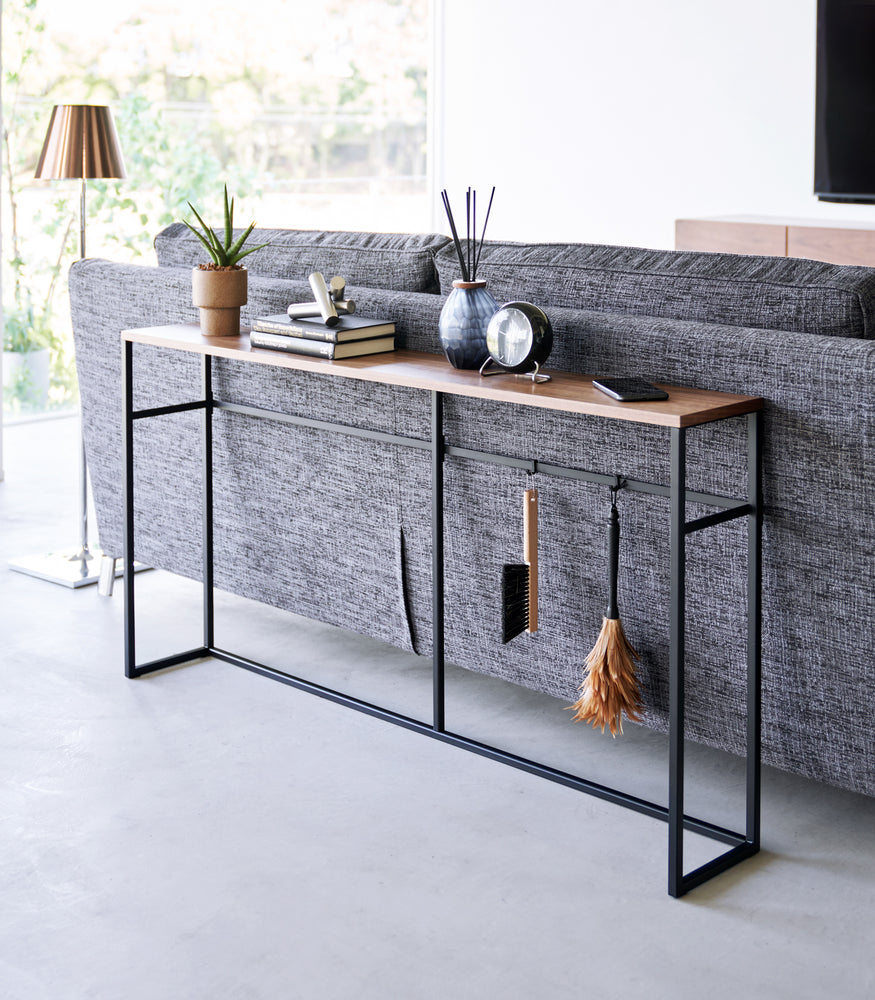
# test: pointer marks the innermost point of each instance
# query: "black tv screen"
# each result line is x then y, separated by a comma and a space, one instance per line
844, 135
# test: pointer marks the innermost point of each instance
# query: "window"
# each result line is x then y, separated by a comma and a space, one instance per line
313, 114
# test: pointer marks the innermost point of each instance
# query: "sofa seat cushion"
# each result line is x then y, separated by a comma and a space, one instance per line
771, 293
401, 262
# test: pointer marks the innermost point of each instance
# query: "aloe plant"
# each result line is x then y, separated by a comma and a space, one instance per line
226, 252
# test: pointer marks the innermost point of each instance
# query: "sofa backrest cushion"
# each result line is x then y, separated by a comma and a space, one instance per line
397, 261
772, 293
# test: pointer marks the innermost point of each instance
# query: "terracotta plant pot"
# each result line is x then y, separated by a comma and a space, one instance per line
219, 296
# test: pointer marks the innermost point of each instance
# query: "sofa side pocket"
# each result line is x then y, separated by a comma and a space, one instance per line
404, 592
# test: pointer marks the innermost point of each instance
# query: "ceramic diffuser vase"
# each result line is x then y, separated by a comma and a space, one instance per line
463, 322
469, 306
219, 288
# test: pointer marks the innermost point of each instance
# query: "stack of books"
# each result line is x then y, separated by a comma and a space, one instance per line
352, 337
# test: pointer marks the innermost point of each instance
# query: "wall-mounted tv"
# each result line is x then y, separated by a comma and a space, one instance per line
844, 135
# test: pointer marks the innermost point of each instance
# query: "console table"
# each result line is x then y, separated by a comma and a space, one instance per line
573, 393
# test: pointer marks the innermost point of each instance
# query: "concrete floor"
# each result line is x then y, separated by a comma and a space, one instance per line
205, 833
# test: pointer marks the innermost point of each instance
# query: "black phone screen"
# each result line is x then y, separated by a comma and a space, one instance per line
629, 389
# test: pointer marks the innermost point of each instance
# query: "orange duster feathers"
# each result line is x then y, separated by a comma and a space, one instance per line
610, 686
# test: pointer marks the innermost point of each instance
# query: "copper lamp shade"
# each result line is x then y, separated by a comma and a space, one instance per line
81, 142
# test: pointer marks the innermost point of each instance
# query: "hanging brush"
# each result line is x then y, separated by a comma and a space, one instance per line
610, 686
520, 581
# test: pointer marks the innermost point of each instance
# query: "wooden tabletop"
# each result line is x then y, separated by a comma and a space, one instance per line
569, 392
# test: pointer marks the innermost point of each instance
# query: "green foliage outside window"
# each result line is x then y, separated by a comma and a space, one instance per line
328, 117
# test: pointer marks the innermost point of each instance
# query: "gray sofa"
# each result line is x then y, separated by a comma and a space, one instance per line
291, 530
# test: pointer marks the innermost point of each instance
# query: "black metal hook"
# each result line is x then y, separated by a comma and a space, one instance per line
620, 484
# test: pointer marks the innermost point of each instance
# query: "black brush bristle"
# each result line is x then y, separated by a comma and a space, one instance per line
515, 600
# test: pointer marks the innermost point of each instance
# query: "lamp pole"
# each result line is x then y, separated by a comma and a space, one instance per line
83, 555
81, 143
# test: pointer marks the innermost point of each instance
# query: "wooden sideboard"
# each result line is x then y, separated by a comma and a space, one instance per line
774, 236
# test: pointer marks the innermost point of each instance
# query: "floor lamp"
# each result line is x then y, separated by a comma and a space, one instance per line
81, 143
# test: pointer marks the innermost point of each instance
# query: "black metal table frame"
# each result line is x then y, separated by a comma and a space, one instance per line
741, 845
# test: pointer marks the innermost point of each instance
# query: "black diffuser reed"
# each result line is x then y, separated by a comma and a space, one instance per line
469, 258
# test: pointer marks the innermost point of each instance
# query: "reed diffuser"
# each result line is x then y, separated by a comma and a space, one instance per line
469, 307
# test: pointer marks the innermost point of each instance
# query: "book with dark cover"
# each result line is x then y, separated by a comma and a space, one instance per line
347, 328
320, 348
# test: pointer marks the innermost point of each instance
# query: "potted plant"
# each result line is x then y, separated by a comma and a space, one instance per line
27, 343
219, 288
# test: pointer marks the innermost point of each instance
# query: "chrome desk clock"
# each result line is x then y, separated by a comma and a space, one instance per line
519, 339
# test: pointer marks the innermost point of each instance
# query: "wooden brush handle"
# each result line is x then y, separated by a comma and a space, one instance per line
530, 553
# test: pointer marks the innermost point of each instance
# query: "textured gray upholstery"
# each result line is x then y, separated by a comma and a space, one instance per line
401, 261
775, 293
291, 528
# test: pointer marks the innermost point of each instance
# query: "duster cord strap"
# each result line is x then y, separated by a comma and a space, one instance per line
613, 560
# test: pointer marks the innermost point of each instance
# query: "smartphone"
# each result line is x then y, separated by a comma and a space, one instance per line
629, 389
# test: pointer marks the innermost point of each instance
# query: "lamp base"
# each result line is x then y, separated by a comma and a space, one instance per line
73, 568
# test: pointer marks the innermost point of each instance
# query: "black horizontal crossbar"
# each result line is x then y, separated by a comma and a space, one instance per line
709, 520
563, 472
160, 411
170, 661
574, 781
733, 509
322, 425
723, 862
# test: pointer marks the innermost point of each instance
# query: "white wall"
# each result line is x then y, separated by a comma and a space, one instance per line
2, 474
605, 120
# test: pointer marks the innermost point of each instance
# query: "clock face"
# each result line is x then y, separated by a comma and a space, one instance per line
509, 336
